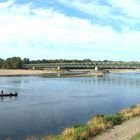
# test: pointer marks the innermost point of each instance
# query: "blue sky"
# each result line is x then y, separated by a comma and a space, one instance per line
70, 29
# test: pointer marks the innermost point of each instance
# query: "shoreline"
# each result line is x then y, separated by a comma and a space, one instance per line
22, 72
67, 73
17, 72
122, 125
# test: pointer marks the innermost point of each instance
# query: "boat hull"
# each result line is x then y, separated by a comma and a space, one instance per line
6, 95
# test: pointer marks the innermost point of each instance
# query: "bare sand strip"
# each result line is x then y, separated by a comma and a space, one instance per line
121, 132
9, 72
4, 72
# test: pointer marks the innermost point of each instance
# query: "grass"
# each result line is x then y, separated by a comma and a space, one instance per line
115, 119
136, 137
96, 125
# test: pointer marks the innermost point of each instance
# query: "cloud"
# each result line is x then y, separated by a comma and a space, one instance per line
121, 16
128, 7
45, 33
90, 7
6, 4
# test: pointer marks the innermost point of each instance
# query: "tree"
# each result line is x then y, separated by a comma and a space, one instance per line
1, 63
26, 61
13, 63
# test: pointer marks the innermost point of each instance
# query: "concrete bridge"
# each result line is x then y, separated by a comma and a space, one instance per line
91, 65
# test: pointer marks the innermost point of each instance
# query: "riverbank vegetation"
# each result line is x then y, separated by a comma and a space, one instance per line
96, 125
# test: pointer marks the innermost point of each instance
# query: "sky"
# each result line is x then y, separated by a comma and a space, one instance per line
70, 29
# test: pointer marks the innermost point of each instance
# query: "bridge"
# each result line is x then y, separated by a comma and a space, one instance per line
92, 65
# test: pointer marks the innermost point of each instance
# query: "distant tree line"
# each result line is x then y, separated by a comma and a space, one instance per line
58, 61
17, 62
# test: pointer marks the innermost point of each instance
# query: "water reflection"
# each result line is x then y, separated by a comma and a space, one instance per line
4, 99
117, 79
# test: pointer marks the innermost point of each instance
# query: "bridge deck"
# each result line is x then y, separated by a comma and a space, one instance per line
100, 65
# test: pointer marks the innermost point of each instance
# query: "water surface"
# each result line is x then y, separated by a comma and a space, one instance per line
48, 105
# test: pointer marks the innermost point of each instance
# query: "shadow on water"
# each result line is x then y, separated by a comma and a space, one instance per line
66, 75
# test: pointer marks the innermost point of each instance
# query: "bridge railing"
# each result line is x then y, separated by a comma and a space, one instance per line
84, 65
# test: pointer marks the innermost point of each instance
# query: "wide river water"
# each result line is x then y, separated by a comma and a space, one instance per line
48, 105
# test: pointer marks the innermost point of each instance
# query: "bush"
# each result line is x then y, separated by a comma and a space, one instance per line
133, 106
78, 125
114, 119
58, 137
95, 120
81, 133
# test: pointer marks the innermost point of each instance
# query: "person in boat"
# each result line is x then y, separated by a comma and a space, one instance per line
15, 93
1, 92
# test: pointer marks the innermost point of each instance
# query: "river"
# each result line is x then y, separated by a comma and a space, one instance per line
47, 105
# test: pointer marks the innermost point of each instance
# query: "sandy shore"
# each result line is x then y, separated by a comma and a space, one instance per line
86, 73
4, 72
121, 132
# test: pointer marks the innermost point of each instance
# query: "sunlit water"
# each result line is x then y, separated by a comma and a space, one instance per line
48, 105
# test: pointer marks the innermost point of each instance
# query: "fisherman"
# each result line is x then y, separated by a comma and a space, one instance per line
16, 93
1, 92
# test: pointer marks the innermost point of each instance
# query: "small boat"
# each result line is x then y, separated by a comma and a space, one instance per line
9, 94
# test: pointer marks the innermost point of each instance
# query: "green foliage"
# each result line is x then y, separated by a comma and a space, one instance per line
26, 61
79, 125
59, 137
1, 63
13, 63
136, 137
133, 106
78, 131
114, 119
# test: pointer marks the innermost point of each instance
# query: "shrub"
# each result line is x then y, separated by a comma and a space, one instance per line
96, 120
59, 137
136, 111
127, 113
114, 119
68, 132
81, 133
79, 125
133, 106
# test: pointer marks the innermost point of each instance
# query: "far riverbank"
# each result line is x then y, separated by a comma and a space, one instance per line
69, 73
16, 72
